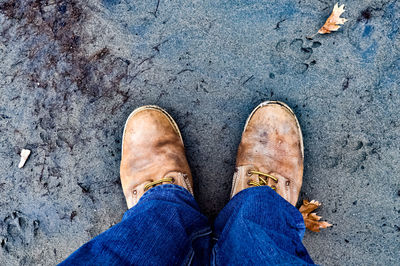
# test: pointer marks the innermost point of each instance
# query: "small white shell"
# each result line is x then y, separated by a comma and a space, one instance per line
24, 156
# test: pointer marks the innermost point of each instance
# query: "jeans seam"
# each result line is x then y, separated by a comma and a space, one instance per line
191, 257
213, 256
164, 190
166, 187
201, 234
194, 237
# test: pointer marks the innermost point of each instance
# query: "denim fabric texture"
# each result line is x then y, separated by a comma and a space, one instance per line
257, 227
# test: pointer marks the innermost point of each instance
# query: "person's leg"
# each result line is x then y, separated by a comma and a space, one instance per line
260, 225
164, 228
163, 225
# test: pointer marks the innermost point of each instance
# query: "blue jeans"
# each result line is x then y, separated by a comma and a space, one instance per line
257, 227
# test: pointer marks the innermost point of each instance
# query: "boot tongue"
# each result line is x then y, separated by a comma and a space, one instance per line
282, 186
181, 179
243, 176
281, 180
136, 191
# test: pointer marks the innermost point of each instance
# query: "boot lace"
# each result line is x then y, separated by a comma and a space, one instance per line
262, 179
158, 182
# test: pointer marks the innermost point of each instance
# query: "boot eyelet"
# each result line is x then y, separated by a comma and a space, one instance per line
287, 183
249, 173
134, 192
172, 180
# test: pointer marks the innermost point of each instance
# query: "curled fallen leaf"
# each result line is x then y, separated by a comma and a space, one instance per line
334, 20
24, 156
312, 220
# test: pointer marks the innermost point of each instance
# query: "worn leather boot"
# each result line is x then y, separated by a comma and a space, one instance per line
271, 152
152, 153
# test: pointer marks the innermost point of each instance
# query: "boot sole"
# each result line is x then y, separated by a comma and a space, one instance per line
288, 109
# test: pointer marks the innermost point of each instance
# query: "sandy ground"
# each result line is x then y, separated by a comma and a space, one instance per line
70, 74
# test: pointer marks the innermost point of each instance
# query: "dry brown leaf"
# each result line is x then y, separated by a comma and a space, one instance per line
334, 20
312, 220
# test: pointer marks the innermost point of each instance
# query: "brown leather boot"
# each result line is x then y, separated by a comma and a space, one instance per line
152, 153
271, 152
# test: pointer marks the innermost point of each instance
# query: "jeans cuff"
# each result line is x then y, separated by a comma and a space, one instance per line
295, 215
168, 192
165, 189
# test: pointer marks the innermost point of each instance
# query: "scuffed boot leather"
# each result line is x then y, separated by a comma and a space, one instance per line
152, 153
271, 152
